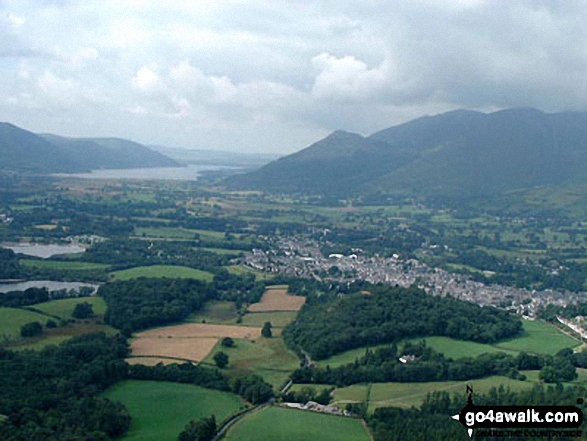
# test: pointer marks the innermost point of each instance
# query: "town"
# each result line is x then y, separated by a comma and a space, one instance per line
301, 257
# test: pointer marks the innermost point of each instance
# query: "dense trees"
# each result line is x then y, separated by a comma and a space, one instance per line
227, 342
30, 296
51, 394
181, 373
83, 310
221, 359
432, 422
253, 388
266, 330
31, 329
141, 303
199, 430
330, 324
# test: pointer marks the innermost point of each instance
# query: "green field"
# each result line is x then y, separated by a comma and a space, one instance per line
239, 269
412, 394
63, 333
350, 394
221, 313
277, 319
60, 265
278, 424
224, 313
459, 349
11, 320
540, 338
64, 308
160, 410
182, 233
267, 357
346, 357
162, 271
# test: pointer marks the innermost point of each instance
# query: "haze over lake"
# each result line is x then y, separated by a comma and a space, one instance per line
49, 284
44, 251
188, 173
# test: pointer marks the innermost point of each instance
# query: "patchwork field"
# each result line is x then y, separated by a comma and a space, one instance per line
199, 330
278, 319
279, 424
63, 308
276, 298
160, 410
162, 271
189, 341
60, 334
225, 313
12, 319
192, 349
267, 357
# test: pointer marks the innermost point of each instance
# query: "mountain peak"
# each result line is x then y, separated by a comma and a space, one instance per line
457, 154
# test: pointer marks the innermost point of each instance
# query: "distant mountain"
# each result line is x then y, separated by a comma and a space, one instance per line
26, 151
459, 154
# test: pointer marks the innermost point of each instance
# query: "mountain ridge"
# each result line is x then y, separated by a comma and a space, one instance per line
454, 155
25, 151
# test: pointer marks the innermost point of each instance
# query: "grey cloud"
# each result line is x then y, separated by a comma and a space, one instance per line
254, 74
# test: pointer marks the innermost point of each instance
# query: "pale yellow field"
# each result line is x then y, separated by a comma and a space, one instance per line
194, 349
199, 330
277, 299
152, 361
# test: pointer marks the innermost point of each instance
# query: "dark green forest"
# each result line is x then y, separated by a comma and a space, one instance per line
329, 324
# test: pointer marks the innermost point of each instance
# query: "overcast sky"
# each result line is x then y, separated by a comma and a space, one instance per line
275, 76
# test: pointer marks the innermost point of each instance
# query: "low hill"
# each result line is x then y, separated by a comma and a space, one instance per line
22, 150
456, 155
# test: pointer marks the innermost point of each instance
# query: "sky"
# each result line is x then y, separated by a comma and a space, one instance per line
274, 76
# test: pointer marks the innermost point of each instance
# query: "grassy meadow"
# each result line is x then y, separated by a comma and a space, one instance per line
225, 313
279, 424
12, 319
160, 410
62, 265
162, 271
63, 308
267, 357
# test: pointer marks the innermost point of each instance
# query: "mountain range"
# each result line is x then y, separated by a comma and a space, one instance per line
455, 155
22, 150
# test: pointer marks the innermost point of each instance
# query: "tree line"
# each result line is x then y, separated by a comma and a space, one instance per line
431, 420
425, 364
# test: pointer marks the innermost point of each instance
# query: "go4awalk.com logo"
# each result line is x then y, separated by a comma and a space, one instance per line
527, 418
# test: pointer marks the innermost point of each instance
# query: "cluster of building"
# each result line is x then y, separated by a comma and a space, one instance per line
301, 257
313, 406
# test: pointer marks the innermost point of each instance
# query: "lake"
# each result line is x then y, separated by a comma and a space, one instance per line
49, 284
189, 173
44, 251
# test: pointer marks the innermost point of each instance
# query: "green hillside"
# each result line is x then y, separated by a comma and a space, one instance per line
456, 155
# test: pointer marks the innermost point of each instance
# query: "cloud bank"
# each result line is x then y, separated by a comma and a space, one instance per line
274, 76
